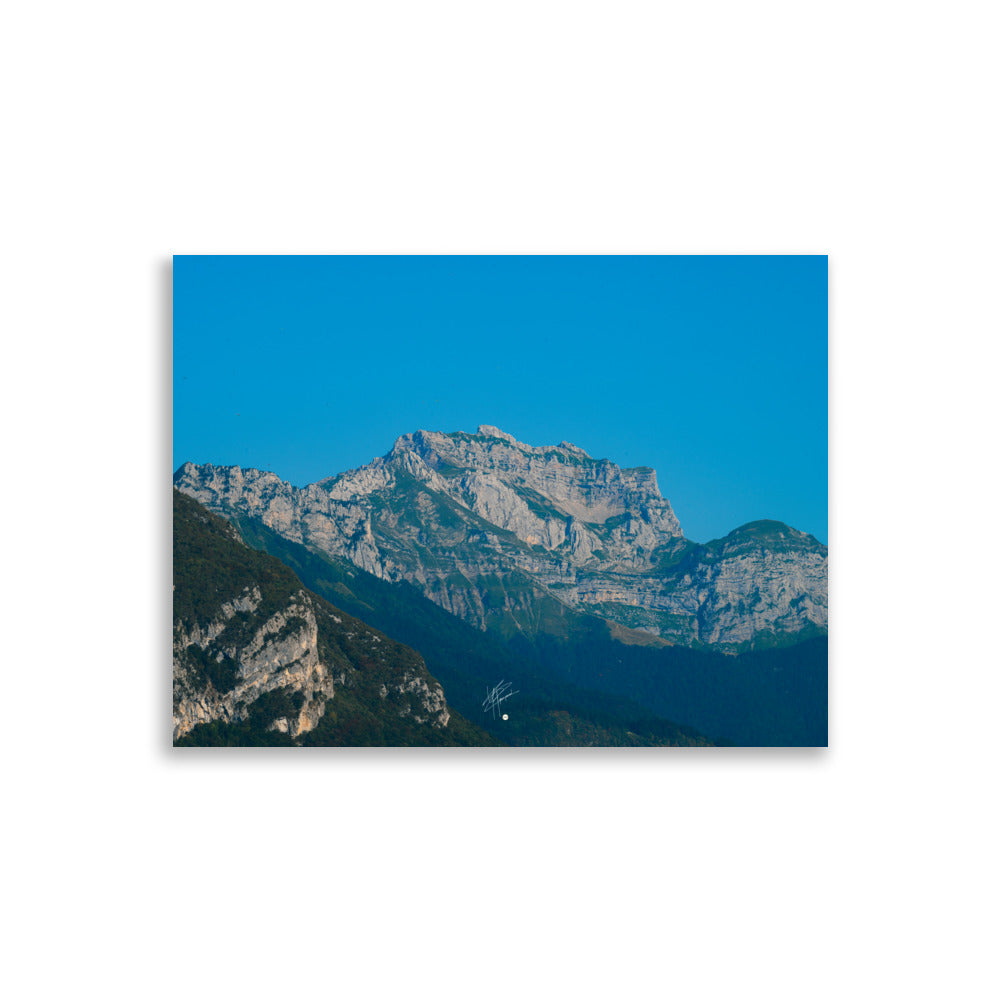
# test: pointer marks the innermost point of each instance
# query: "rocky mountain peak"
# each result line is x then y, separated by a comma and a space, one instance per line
450, 512
563, 478
488, 430
488, 440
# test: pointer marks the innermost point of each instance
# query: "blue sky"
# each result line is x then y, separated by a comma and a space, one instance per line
712, 370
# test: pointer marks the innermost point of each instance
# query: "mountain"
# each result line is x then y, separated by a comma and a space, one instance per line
524, 540
260, 660
551, 707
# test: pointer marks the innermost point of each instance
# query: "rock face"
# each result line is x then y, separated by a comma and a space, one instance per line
516, 537
250, 642
277, 653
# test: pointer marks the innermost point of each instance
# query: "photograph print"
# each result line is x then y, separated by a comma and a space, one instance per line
500, 501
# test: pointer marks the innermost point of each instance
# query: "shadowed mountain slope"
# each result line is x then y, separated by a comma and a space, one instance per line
772, 698
259, 660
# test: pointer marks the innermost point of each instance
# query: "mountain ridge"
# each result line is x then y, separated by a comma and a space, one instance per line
260, 660
262, 657
771, 698
516, 537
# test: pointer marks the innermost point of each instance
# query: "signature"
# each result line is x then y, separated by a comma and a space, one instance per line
496, 696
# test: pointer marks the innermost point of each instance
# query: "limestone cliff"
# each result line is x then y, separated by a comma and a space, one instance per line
276, 653
517, 537
252, 647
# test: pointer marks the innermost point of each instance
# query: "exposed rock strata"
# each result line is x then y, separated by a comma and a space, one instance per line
280, 653
231, 648
503, 534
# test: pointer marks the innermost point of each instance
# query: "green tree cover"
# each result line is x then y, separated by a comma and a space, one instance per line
768, 697
350, 719
680, 557
540, 723
468, 661
222, 673
213, 566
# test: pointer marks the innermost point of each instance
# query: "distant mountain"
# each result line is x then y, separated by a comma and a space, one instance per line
528, 541
260, 660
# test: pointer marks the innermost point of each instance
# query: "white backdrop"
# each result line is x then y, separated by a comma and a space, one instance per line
862, 130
